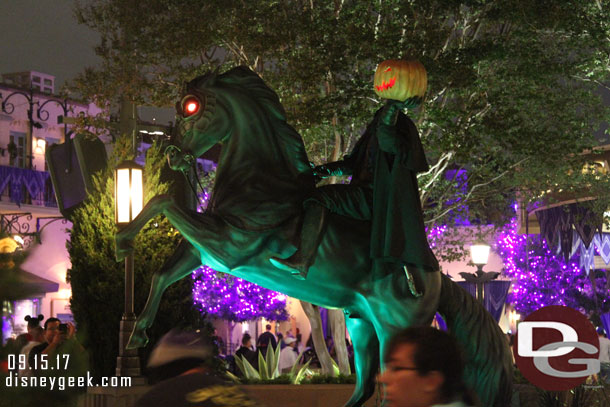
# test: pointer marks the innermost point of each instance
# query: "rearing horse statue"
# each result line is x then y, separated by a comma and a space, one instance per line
263, 176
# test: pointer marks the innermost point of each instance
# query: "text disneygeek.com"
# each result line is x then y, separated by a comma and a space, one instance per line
61, 383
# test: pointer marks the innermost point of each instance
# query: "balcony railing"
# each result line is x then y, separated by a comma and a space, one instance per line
23, 186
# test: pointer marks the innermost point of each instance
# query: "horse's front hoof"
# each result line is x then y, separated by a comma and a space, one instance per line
138, 339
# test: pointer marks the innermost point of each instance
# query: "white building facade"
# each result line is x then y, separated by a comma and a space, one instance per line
28, 126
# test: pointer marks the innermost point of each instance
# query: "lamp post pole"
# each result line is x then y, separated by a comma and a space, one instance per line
128, 361
128, 203
128, 184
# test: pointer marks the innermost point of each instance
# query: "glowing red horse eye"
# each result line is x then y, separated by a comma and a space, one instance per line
191, 106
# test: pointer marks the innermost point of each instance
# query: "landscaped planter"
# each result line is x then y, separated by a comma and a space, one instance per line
310, 395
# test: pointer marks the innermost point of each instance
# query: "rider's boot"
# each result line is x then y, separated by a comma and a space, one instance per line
311, 234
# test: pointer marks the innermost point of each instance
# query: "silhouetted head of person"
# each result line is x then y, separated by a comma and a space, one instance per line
245, 340
178, 352
423, 367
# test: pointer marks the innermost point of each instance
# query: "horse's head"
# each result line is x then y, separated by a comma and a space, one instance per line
201, 123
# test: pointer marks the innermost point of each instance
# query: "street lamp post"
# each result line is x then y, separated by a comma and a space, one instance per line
479, 254
128, 193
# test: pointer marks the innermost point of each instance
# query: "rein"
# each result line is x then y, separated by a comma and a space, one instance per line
189, 158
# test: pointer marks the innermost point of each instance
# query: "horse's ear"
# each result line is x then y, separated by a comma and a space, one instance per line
205, 80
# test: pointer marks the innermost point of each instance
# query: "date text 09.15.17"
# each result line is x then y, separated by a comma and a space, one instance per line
41, 362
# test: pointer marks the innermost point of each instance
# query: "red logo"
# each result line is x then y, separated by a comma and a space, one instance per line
556, 348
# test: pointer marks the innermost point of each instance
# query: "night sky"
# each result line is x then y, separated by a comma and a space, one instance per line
43, 35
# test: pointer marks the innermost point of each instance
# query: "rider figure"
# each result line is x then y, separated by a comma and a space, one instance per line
383, 189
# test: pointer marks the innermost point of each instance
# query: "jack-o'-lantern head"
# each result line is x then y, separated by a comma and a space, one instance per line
401, 80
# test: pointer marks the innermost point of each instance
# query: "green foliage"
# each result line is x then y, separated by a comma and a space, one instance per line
312, 379
268, 370
514, 87
323, 379
97, 280
581, 396
11, 258
268, 366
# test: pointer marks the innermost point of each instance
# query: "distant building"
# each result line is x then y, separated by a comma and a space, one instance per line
28, 126
39, 81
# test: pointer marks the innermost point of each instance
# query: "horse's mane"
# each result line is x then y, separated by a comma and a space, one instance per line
243, 77
248, 81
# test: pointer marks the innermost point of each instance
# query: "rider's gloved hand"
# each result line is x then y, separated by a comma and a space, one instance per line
321, 171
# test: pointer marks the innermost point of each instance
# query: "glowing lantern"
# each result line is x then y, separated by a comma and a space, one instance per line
400, 80
128, 184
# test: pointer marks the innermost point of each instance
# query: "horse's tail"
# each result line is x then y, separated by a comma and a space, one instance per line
489, 368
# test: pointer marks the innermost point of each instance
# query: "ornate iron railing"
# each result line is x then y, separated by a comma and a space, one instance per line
24, 186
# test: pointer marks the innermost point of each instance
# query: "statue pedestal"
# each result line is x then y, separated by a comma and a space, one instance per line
114, 396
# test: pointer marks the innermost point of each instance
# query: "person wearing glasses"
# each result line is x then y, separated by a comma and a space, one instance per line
424, 368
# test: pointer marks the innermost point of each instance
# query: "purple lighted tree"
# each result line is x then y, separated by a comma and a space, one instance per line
226, 297
548, 280
230, 298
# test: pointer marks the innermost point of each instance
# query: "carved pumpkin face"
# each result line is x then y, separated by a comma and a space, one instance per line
400, 80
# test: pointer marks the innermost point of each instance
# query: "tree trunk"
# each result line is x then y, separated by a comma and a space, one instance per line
229, 342
313, 314
337, 326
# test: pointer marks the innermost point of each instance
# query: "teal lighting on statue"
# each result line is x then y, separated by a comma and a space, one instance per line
256, 212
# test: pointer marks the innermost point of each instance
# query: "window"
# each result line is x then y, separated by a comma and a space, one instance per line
48, 82
49, 142
13, 314
36, 79
17, 155
48, 90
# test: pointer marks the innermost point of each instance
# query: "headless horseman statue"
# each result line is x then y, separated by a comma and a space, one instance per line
383, 189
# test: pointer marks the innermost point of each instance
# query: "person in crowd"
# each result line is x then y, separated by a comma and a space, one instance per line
424, 368
265, 340
37, 334
33, 322
280, 340
180, 369
60, 339
288, 356
220, 344
604, 356
330, 345
299, 338
245, 351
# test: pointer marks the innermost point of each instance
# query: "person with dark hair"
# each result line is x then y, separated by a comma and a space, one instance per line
179, 366
246, 351
424, 368
33, 321
265, 340
60, 339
